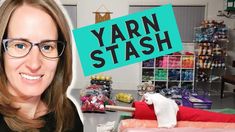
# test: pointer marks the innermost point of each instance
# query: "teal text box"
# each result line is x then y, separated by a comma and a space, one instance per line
127, 40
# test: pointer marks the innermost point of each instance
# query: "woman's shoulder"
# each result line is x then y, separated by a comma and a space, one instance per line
2, 121
1, 118
3, 124
50, 118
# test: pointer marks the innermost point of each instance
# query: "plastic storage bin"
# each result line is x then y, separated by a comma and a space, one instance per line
196, 102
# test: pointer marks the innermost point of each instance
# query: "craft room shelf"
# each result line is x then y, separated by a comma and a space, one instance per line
170, 70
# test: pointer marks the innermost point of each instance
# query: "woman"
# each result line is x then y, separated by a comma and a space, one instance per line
35, 68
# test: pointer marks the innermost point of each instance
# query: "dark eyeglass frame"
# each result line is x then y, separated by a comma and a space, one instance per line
4, 41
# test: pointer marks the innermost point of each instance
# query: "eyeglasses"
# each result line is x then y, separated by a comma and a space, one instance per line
19, 48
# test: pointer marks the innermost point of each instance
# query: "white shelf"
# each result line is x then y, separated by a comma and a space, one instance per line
174, 81
175, 68
148, 67
160, 80
160, 67
187, 80
168, 69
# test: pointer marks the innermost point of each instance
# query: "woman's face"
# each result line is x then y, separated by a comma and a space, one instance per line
31, 75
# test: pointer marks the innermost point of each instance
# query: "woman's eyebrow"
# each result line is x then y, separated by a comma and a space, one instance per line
25, 39
48, 40
20, 39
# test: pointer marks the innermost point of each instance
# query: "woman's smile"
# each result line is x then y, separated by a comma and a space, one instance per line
31, 77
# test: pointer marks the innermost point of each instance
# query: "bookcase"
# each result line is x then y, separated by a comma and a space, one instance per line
170, 70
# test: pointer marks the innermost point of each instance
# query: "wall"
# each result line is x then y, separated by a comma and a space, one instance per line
128, 77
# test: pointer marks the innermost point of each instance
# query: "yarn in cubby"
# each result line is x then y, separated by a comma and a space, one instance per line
161, 62
161, 74
174, 74
174, 62
187, 62
148, 63
187, 75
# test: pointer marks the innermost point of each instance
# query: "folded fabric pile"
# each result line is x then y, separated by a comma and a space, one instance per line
104, 82
94, 100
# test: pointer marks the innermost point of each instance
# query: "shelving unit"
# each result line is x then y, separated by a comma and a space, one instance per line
170, 70
211, 43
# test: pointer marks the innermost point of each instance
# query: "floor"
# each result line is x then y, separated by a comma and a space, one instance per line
227, 102
91, 120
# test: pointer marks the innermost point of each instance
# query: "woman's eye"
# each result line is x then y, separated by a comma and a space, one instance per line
20, 46
48, 48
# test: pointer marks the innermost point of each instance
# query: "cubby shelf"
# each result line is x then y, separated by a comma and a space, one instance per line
170, 70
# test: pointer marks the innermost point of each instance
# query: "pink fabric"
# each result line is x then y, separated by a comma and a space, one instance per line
138, 123
177, 130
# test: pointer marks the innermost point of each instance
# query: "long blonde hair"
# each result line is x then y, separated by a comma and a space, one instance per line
55, 95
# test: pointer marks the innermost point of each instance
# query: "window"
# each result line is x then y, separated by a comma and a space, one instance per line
187, 17
72, 12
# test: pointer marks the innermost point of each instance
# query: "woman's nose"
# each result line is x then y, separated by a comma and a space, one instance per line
34, 59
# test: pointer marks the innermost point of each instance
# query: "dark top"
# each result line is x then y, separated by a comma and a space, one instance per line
49, 125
